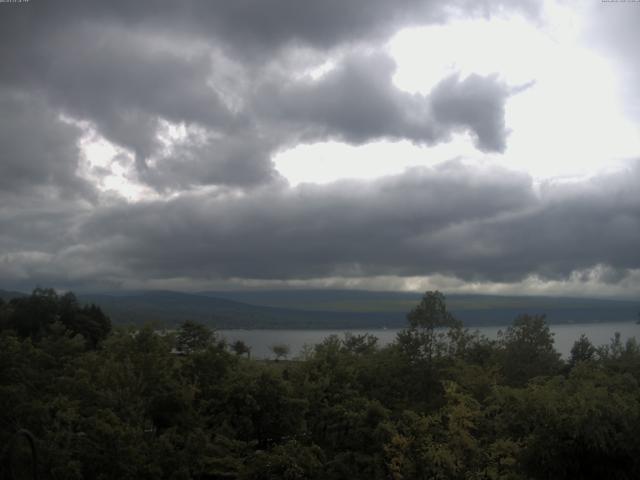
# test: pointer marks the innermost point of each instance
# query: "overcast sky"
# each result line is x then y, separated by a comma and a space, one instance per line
468, 146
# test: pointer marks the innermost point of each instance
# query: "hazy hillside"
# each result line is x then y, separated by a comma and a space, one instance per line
367, 300
344, 309
338, 308
472, 309
8, 294
173, 307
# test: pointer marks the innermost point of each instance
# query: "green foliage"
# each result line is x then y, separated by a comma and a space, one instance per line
360, 344
193, 337
582, 426
443, 444
582, 351
280, 350
241, 348
527, 350
440, 403
426, 339
289, 461
88, 321
34, 316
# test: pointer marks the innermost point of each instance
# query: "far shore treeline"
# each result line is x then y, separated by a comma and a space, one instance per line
440, 402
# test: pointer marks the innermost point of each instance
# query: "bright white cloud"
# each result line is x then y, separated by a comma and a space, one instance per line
425, 55
109, 167
567, 122
330, 161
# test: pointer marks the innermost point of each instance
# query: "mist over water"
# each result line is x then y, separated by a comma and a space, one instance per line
260, 341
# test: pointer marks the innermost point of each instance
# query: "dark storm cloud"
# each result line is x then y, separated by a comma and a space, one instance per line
242, 160
258, 27
470, 222
40, 228
125, 67
475, 223
122, 82
475, 104
38, 150
310, 230
254, 27
357, 102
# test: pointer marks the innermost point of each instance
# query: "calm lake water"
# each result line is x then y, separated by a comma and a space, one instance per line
565, 335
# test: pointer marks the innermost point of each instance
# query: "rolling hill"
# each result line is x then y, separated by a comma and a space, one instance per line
334, 309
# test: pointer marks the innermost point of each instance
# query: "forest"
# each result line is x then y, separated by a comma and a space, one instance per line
441, 402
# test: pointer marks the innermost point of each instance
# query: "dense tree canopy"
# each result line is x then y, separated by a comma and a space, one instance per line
192, 337
241, 348
527, 350
35, 315
439, 403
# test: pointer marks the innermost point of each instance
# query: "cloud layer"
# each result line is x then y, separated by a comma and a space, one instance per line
478, 224
197, 97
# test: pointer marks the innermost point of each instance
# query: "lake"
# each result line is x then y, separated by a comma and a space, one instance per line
564, 336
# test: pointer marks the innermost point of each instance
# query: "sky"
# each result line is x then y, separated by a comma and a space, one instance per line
465, 146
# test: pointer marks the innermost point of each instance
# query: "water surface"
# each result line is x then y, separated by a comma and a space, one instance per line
260, 341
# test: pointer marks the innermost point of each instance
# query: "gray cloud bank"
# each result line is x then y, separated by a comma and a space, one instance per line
475, 223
